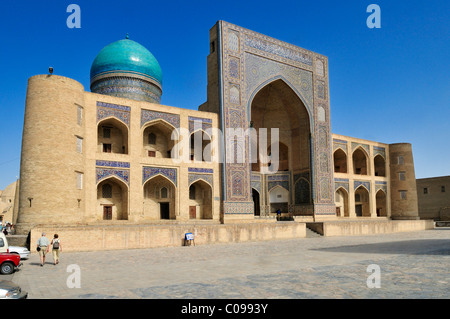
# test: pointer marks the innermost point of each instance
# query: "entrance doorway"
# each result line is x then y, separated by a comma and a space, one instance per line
359, 210
164, 210
107, 212
192, 212
256, 207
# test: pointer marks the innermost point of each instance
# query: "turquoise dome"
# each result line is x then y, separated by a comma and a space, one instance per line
129, 57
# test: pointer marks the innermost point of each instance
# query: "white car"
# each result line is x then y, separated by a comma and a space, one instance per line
22, 251
9, 290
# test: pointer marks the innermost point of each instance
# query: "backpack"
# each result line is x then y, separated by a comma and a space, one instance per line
56, 244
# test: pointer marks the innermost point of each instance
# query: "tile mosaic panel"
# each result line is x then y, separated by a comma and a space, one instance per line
241, 208
147, 116
148, 172
258, 70
379, 151
192, 178
364, 146
121, 112
272, 184
122, 174
112, 164
302, 193
366, 184
196, 123
277, 49
200, 170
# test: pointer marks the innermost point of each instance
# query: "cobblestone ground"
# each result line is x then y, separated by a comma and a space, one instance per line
412, 265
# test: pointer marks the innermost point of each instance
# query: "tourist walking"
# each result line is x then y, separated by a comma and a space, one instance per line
56, 248
42, 247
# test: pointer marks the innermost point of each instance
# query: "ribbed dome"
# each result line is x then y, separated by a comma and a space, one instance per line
126, 56
127, 69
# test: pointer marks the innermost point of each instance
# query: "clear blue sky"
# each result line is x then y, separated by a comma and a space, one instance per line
389, 85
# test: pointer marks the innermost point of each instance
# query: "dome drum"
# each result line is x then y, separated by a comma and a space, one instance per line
128, 87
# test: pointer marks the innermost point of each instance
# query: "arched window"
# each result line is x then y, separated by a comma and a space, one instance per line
192, 192
152, 139
163, 192
107, 191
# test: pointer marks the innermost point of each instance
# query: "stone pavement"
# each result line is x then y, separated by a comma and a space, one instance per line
412, 265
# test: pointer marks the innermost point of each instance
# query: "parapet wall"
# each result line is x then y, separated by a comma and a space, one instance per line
115, 237
348, 228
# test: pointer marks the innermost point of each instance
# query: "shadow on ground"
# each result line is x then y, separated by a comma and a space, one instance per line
411, 247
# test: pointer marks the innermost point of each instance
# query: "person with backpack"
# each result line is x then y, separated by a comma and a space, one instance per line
56, 248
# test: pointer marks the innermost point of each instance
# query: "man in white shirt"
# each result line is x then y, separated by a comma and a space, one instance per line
42, 247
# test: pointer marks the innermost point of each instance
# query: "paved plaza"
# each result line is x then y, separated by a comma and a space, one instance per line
411, 265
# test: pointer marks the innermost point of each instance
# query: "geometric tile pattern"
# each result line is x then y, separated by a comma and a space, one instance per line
205, 177
147, 116
112, 164
122, 174
148, 172
197, 123
120, 112
366, 184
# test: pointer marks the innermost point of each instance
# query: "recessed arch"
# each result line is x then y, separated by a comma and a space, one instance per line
362, 201
159, 175
114, 178
302, 191
360, 160
341, 201
203, 154
112, 136
200, 200
276, 105
340, 161
158, 121
256, 198
115, 206
201, 179
379, 163
160, 195
279, 199
288, 83
381, 203
161, 132
111, 117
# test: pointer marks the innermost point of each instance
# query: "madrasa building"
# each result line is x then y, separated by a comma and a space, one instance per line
115, 156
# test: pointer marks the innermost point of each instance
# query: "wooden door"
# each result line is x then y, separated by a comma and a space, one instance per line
107, 212
192, 212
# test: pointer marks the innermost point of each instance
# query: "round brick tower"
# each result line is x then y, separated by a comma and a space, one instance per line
50, 162
404, 204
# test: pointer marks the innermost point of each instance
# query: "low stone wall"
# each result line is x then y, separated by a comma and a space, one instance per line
100, 237
17, 240
367, 227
